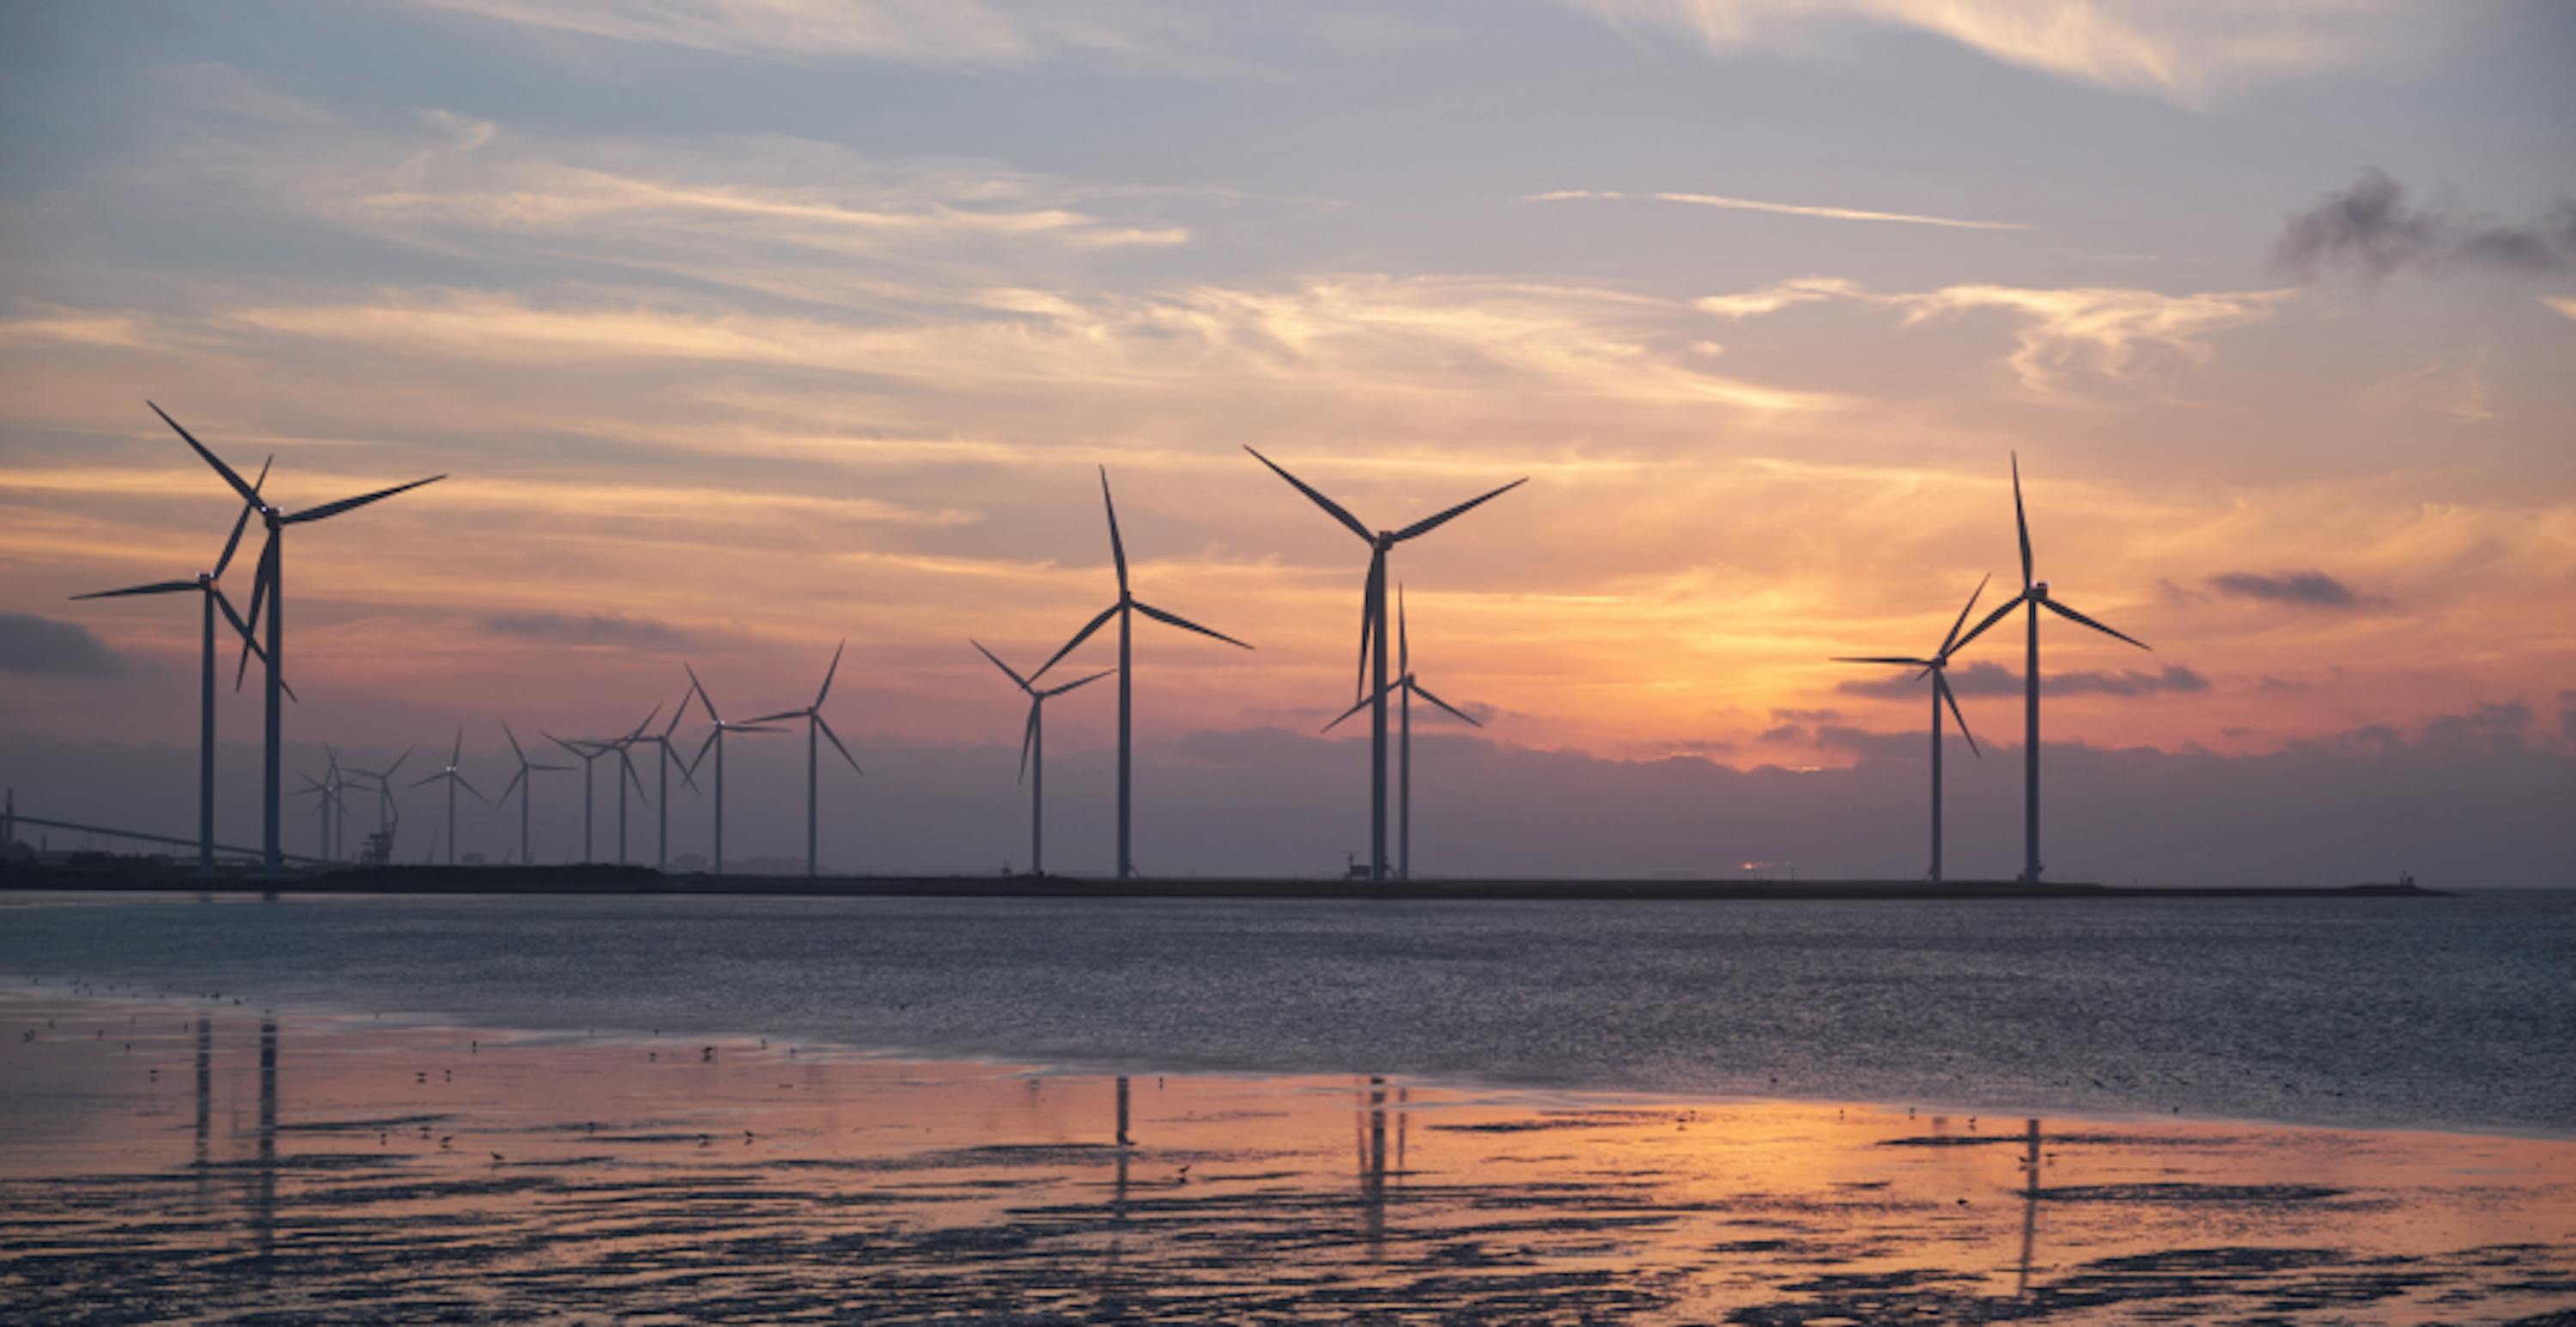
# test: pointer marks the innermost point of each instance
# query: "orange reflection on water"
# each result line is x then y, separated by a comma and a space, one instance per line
208, 1160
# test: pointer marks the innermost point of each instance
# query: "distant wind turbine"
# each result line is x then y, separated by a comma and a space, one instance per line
1407, 684
625, 749
1033, 749
270, 585
815, 724
1938, 666
454, 781
715, 742
661, 742
1124, 610
388, 810
1373, 683
212, 595
2034, 596
527, 786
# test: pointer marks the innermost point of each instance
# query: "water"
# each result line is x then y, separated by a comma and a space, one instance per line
2444, 1014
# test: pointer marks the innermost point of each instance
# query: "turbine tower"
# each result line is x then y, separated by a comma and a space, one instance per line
1410, 687
1938, 666
588, 751
715, 741
388, 811
1373, 683
814, 724
1125, 609
527, 786
625, 747
2034, 596
270, 584
454, 781
1033, 750
212, 595
661, 742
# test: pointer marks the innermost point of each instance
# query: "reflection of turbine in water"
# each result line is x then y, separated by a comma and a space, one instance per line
2029, 1208
263, 1194
205, 1096
1373, 1170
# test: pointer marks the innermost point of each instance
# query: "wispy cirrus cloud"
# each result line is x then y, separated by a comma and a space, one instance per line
2188, 51
1725, 203
938, 32
50, 326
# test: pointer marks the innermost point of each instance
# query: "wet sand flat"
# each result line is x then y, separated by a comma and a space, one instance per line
193, 1159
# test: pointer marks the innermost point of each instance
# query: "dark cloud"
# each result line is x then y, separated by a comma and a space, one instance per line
2312, 588
1787, 732
2567, 715
1977, 679
1806, 716
2126, 682
2372, 228
1883, 746
2490, 726
41, 645
642, 633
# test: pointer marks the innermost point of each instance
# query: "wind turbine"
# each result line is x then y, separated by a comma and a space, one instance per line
1406, 683
814, 723
329, 806
1938, 666
1373, 683
624, 747
662, 777
212, 595
2034, 596
388, 811
270, 584
588, 751
527, 768
1033, 745
1125, 609
715, 740
454, 781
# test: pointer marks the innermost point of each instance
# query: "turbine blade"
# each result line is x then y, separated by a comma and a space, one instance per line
469, 787
398, 760
1353, 522
330, 509
1882, 659
2021, 523
773, 718
1029, 736
156, 587
1058, 691
2072, 616
1369, 589
835, 739
1079, 637
632, 777
1403, 638
514, 742
703, 748
1177, 620
747, 728
422, 783
700, 688
1117, 547
235, 618
1364, 703
655, 713
577, 751
831, 672
997, 663
1425, 693
1430, 523
678, 712
1989, 620
259, 583
242, 521
688, 772
1964, 610
457, 753
1942, 685
515, 781
248, 493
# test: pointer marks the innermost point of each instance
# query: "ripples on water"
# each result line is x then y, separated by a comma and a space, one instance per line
2446, 1013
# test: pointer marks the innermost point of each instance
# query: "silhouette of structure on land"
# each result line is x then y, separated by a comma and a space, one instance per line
1033, 748
668, 757
1937, 667
1372, 686
715, 742
1124, 610
814, 725
1406, 683
454, 780
525, 781
2034, 596
268, 591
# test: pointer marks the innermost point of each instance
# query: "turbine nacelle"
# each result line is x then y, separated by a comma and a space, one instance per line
2039, 591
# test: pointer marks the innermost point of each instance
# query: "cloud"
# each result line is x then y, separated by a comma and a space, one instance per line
1787, 732
2563, 306
2370, 228
1781, 209
589, 629
1806, 716
2312, 588
936, 32
2188, 51
1992, 679
73, 327
2098, 329
1875, 745
49, 648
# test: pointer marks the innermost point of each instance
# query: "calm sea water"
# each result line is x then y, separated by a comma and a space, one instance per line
2451, 1013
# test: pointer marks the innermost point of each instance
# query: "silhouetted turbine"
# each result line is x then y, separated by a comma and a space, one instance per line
662, 778
625, 747
271, 586
1124, 610
715, 742
388, 810
454, 781
586, 750
527, 787
1373, 685
814, 724
2033, 597
1938, 666
211, 595
1033, 749
1406, 683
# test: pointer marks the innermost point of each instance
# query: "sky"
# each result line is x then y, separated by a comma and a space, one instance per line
742, 329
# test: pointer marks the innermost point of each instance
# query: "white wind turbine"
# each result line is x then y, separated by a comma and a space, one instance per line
1408, 686
1033, 749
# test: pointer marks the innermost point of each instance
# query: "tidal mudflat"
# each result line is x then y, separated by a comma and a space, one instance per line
191, 1158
